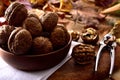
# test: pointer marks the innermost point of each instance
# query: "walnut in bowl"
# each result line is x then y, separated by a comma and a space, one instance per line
38, 61
15, 14
19, 41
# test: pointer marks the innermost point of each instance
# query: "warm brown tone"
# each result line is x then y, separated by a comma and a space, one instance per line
59, 37
83, 53
90, 36
15, 14
49, 21
19, 41
72, 71
36, 62
5, 31
41, 45
33, 25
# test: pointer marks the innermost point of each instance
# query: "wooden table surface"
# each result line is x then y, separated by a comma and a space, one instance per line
72, 71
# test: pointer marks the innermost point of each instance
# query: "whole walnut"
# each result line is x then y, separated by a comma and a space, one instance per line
19, 41
49, 21
15, 14
33, 25
41, 45
59, 37
83, 53
5, 31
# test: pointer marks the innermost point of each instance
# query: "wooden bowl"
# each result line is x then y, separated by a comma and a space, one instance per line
36, 62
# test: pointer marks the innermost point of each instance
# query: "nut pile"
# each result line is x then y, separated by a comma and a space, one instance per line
28, 33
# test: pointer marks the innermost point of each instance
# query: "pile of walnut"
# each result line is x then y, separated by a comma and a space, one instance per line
28, 33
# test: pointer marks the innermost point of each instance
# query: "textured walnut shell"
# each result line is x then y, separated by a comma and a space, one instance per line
19, 41
15, 14
90, 36
49, 21
83, 53
33, 25
5, 31
41, 45
59, 37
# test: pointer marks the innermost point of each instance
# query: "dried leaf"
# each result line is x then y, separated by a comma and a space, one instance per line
65, 5
49, 7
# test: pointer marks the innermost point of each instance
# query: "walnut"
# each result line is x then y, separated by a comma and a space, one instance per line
15, 14
5, 31
49, 21
83, 53
19, 41
41, 45
59, 37
33, 25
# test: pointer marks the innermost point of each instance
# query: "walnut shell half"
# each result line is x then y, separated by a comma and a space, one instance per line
90, 36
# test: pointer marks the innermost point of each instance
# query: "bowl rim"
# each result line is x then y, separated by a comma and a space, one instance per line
26, 55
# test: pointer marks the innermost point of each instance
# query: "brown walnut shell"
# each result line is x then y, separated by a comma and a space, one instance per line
59, 37
15, 14
90, 36
19, 41
33, 25
41, 45
49, 21
83, 53
5, 31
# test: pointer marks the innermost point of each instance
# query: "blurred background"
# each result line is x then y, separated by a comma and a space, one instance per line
65, 5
